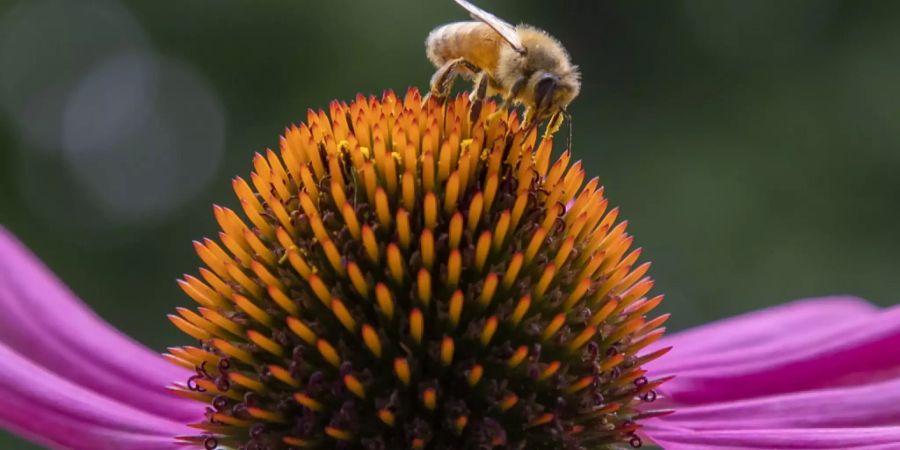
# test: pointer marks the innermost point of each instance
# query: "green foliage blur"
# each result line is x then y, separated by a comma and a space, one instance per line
754, 147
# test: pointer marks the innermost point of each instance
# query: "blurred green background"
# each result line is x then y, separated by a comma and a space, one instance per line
753, 146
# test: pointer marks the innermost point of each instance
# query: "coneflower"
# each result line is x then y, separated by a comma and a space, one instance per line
406, 279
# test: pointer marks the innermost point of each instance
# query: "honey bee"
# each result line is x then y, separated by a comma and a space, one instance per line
523, 64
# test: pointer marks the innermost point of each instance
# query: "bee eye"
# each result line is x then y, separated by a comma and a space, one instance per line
543, 92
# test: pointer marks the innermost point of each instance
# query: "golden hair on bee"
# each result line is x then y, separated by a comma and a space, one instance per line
523, 64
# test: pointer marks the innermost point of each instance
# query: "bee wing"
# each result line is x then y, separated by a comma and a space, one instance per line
504, 29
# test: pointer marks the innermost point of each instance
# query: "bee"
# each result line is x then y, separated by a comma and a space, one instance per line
523, 64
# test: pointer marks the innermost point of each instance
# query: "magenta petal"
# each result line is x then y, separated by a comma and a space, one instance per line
44, 321
70, 434
860, 346
873, 438
759, 328
859, 406
51, 410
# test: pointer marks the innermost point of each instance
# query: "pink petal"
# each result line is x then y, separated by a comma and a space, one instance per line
43, 320
51, 410
858, 406
760, 327
828, 343
873, 438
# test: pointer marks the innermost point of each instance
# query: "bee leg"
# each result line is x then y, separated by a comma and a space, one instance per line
530, 118
554, 124
479, 92
504, 103
442, 80
510, 97
515, 90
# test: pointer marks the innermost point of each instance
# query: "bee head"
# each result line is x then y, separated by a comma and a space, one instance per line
552, 92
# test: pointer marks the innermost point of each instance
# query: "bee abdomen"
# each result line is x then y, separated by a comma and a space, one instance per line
474, 41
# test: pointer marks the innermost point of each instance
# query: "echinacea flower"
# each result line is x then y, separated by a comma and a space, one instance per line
408, 280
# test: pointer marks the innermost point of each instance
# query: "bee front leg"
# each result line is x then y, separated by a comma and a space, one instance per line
510, 96
529, 120
515, 90
479, 92
554, 124
442, 80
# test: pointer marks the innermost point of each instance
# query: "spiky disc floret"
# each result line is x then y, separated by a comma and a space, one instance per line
408, 280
